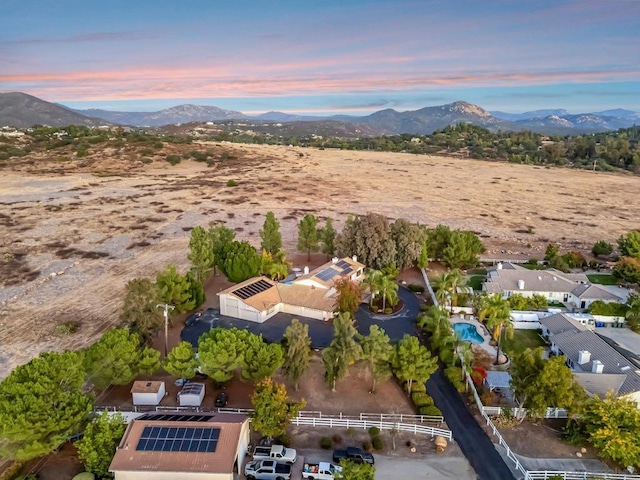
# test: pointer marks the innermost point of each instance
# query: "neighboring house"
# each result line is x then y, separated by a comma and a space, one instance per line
188, 446
572, 289
311, 294
597, 365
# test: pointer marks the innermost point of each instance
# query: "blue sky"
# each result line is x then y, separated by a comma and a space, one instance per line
323, 56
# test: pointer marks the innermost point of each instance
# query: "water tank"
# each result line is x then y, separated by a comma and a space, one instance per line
520, 284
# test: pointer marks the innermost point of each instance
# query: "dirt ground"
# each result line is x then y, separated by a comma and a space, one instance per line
74, 232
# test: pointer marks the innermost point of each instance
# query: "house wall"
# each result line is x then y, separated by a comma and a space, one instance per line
526, 325
172, 476
149, 398
243, 444
231, 306
550, 296
306, 312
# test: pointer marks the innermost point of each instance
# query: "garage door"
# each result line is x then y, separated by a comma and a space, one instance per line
232, 308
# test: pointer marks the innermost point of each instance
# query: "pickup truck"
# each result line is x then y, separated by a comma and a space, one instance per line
320, 471
276, 452
353, 454
267, 470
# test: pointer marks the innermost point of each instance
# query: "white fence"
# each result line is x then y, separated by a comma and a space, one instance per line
535, 475
522, 412
378, 417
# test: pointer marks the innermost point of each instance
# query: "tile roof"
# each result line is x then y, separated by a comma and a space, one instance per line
308, 296
560, 322
146, 386
127, 458
260, 301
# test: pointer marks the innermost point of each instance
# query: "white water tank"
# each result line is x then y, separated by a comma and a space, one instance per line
520, 284
584, 356
598, 367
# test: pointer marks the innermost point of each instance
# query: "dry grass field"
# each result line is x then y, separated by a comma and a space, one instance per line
75, 231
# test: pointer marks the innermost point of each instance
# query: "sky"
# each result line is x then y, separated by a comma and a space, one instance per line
323, 56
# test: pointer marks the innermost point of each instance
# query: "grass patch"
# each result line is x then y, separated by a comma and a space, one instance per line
530, 266
475, 282
602, 279
477, 271
556, 304
522, 339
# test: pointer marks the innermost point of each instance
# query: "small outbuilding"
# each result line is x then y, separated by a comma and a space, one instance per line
147, 392
191, 395
498, 381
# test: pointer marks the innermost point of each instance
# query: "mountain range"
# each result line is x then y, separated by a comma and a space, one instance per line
22, 110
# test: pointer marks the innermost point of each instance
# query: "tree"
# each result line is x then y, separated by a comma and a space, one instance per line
497, 315
221, 352
261, 359
371, 281
140, 312
349, 296
181, 361
239, 261
551, 252
376, 351
41, 404
423, 258
270, 234
369, 237
540, 383
149, 361
437, 240
409, 239
175, 289
632, 317
196, 290
297, 351
200, 253
462, 250
99, 442
355, 471
629, 244
273, 410
628, 269
275, 270
412, 362
602, 249
220, 237
308, 235
328, 238
114, 359
446, 287
389, 291
436, 323
343, 350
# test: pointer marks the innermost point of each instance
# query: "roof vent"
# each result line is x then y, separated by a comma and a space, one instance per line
539, 277
520, 284
555, 278
334, 260
584, 356
626, 368
499, 266
598, 367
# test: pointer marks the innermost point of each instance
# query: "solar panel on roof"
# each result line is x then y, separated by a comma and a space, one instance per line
327, 274
178, 439
191, 389
347, 271
343, 264
168, 417
252, 289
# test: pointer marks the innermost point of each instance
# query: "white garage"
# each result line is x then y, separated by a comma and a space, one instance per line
147, 392
191, 395
256, 300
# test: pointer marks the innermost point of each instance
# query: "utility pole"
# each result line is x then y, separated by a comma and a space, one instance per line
167, 307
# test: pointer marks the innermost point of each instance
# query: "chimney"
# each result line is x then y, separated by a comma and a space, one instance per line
354, 258
499, 266
334, 260
520, 284
598, 367
306, 270
584, 356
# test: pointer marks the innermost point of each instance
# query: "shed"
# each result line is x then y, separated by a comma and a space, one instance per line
498, 380
147, 392
191, 395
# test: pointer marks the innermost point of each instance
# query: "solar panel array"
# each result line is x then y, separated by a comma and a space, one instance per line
168, 417
327, 274
249, 291
178, 439
343, 264
192, 389
347, 271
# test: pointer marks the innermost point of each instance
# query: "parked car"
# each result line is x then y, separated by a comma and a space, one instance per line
192, 319
267, 470
276, 452
353, 454
222, 399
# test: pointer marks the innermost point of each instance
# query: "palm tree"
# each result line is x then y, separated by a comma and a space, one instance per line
496, 313
389, 291
446, 287
632, 316
371, 281
436, 323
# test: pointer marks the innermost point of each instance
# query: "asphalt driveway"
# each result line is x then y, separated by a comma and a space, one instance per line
321, 333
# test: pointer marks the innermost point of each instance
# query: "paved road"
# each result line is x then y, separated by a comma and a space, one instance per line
473, 441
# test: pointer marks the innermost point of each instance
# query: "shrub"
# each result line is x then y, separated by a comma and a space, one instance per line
66, 328
232, 183
425, 308
173, 159
351, 431
374, 432
11, 472
377, 443
430, 410
414, 287
421, 399
454, 375
367, 446
147, 160
418, 387
337, 439
284, 439
326, 443
388, 310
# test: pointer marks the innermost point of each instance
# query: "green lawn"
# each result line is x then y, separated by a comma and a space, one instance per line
602, 279
477, 271
522, 339
530, 266
475, 282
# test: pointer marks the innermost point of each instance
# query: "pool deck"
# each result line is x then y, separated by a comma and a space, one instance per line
481, 329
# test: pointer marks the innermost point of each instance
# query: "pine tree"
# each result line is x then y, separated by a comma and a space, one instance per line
200, 253
140, 311
297, 351
343, 351
221, 352
376, 351
412, 361
270, 234
181, 361
308, 235
328, 238
175, 289
100, 440
261, 359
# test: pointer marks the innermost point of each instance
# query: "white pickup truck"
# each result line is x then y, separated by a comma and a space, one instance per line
276, 452
320, 471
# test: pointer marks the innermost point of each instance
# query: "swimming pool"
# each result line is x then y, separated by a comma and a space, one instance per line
467, 332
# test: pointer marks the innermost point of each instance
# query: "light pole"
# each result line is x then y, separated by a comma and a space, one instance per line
167, 307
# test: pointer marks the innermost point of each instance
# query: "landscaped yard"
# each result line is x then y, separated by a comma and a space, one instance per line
522, 339
475, 282
602, 279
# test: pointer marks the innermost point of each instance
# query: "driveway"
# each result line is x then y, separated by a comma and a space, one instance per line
321, 333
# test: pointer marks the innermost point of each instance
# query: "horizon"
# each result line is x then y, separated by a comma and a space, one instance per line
324, 58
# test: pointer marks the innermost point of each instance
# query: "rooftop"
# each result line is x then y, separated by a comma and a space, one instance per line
146, 386
561, 322
503, 280
260, 293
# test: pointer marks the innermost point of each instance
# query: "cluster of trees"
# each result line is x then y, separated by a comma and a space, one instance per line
565, 262
628, 266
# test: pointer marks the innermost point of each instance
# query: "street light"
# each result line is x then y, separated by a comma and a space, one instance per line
167, 307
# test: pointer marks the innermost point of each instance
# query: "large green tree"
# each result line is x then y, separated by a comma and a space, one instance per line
369, 237
376, 351
328, 238
602, 249
200, 253
412, 362
438, 240
628, 269
270, 234
139, 311
220, 237
632, 317
343, 350
297, 351
175, 289
99, 442
221, 352
261, 359
181, 361
41, 404
349, 296
629, 244
355, 471
239, 261
308, 238
272, 408
423, 259
495, 312
409, 239
462, 250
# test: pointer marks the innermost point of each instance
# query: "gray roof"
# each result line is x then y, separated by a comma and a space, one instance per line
560, 322
594, 292
572, 342
534, 281
498, 379
600, 384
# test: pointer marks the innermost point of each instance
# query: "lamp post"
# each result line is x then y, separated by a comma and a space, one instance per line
167, 307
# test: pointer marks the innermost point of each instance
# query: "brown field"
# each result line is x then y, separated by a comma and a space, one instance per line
75, 231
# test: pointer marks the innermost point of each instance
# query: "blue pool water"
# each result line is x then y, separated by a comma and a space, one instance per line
468, 332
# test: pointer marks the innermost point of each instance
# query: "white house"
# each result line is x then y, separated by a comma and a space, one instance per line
172, 445
191, 395
311, 294
147, 392
573, 289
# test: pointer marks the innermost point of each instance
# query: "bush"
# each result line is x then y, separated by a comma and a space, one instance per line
418, 387
377, 443
337, 439
454, 375
351, 431
374, 432
602, 249
284, 439
425, 308
147, 160
388, 311
421, 399
232, 183
367, 446
173, 159
326, 443
414, 287
430, 410
11, 472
